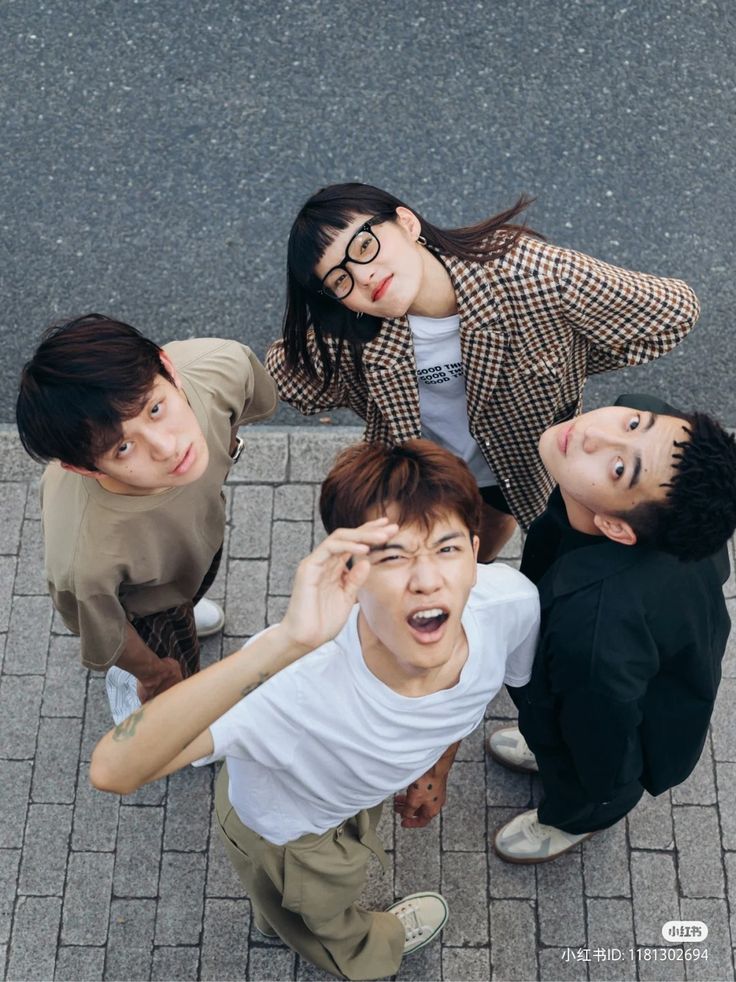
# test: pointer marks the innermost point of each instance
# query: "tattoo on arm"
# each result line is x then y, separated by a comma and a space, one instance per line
262, 676
126, 729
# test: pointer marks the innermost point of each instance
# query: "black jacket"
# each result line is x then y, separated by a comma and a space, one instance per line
628, 663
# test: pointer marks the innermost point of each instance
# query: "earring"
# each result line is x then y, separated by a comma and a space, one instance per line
358, 314
421, 240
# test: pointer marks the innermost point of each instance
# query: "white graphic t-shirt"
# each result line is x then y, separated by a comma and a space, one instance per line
443, 405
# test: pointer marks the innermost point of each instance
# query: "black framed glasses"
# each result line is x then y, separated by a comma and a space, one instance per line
363, 248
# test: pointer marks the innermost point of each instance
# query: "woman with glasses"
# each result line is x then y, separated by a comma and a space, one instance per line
478, 338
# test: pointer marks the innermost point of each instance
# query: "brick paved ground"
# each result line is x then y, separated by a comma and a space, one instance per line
98, 887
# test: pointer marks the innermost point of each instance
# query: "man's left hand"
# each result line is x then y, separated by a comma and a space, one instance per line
422, 801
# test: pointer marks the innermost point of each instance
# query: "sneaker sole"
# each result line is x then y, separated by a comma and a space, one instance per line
535, 860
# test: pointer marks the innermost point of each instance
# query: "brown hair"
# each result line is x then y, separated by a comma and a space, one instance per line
424, 482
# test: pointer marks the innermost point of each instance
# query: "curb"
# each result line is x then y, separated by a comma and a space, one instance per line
272, 454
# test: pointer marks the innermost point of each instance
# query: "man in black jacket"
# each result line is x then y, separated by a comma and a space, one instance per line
629, 557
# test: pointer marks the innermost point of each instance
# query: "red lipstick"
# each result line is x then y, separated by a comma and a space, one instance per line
381, 288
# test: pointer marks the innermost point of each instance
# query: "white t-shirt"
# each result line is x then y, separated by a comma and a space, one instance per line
325, 737
443, 404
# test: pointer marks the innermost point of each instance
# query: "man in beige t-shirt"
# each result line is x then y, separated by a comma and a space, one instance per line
140, 441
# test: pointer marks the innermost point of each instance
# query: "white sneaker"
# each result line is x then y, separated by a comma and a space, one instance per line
526, 840
209, 617
122, 693
509, 748
423, 916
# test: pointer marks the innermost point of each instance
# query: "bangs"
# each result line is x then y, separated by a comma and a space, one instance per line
323, 217
421, 481
314, 230
104, 417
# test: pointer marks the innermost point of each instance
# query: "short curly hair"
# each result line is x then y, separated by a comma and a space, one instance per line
698, 514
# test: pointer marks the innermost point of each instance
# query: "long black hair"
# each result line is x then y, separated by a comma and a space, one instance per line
319, 221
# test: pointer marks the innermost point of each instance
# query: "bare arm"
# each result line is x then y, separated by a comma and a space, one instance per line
154, 674
172, 730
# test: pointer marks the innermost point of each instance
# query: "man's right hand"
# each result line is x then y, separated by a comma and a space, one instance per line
168, 673
327, 582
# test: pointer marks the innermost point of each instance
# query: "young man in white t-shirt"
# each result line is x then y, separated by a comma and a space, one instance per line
370, 698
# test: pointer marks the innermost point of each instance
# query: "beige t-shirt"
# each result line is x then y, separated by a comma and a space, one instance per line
111, 555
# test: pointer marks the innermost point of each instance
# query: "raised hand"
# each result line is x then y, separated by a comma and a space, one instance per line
327, 582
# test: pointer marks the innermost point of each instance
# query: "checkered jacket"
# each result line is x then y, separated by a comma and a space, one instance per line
534, 325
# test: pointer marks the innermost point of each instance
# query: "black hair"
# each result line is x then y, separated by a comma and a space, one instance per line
698, 514
320, 219
86, 377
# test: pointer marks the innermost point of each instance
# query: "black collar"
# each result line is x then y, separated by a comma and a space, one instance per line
585, 558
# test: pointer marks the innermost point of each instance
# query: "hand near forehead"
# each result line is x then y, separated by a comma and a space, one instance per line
326, 588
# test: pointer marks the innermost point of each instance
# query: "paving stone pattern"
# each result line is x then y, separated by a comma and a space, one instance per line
98, 887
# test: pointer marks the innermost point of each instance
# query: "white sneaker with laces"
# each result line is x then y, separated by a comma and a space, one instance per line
209, 617
423, 916
122, 693
509, 748
526, 840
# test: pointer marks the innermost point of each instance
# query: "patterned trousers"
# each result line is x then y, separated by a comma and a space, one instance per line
172, 633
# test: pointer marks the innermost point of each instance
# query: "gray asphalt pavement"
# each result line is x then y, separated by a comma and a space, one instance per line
154, 153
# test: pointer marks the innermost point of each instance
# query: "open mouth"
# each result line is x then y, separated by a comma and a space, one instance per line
427, 621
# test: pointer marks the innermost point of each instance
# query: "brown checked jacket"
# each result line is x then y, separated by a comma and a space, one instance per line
534, 325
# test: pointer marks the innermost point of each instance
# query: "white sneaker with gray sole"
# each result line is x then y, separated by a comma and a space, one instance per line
209, 618
509, 748
423, 915
527, 840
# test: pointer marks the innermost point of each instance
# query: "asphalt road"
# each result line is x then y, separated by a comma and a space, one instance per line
155, 153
